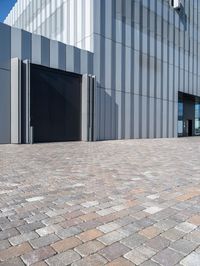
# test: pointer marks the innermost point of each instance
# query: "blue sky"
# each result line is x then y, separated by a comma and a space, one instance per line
5, 7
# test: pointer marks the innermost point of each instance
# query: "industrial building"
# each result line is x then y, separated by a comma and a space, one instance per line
99, 70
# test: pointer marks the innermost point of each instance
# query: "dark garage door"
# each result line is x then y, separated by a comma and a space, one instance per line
55, 104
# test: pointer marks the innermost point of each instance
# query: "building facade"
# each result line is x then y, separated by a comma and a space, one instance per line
145, 57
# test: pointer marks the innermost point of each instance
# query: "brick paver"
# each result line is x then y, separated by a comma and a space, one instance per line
106, 203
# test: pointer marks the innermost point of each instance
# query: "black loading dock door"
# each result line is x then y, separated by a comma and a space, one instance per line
55, 104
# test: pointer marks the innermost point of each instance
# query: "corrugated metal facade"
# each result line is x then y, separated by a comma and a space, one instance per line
68, 21
147, 53
144, 53
39, 50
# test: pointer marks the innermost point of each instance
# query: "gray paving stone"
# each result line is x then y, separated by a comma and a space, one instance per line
8, 233
89, 248
65, 258
158, 243
186, 227
114, 251
64, 233
134, 240
93, 260
167, 257
12, 262
173, 234
19, 239
149, 263
74, 179
191, 260
4, 244
26, 228
166, 224
135, 257
44, 241
184, 246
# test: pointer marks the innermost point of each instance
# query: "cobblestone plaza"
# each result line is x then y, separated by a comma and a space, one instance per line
134, 202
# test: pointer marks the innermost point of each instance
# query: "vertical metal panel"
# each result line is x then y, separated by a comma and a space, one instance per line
26, 45
84, 120
53, 54
62, 56
70, 58
45, 51
16, 43
15, 101
5, 46
5, 106
36, 49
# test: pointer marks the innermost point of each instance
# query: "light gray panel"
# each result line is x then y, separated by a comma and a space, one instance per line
97, 57
164, 119
144, 117
15, 101
84, 62
70, 58
152, 77
5, 46
119, 117
102, 114
108, 63
128, 77
77, 60
158, 118
136, 72
151, 117
136, 116
98, 111
158, 79
16, 43
127, 115
53, 54
165, 82
118, 67
5, 95
36, 49
108, 114
144, 75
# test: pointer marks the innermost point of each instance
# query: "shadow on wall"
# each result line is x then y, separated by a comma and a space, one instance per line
183, 16
107, 110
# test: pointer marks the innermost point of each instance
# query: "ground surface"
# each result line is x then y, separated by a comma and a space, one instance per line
106, 203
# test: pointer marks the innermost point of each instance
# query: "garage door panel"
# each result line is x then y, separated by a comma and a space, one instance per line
55, 104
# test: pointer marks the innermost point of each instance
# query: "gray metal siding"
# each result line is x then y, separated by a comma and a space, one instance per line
16, 43
5, 66
145, 52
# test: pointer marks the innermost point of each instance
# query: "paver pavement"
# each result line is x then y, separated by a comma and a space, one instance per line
134, 202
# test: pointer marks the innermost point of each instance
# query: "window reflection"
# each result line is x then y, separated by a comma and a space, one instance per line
180, 119
197, 118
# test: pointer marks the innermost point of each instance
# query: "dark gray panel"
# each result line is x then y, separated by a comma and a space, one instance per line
26, 45
45, 51
62, 56
5, 96
5, 48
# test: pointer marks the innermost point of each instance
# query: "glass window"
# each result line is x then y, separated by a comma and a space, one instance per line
197, 118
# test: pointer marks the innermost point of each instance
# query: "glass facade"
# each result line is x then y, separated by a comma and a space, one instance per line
180, 119
197, 118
